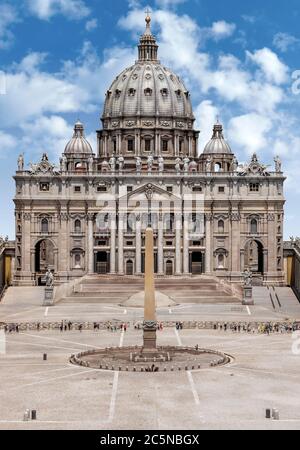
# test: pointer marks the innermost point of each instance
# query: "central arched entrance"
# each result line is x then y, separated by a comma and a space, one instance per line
254, 257
169, 267
44, 259
102, 263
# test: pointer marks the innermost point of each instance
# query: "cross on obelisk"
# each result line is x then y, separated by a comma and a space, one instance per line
150, 323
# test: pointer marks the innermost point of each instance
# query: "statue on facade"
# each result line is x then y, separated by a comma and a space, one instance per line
178, 163
186, 163
138, 164
91, 163
21, 162
278, 164
121, 162
150, 163
208, 164
235, 164
161, 164
112, 163
63, 163
193, 166
247, 278
49, 278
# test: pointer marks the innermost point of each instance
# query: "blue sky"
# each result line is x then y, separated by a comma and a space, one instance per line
238, 59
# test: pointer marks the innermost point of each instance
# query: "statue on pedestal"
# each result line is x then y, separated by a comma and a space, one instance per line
121, 162
208, 164
49, 278
112, 163
178, 163
150, 163
161, 164
235, 164
278, 164
21, 162
247, 278
138, 165
186, 163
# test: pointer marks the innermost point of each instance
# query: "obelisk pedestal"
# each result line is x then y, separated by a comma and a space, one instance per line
150, 322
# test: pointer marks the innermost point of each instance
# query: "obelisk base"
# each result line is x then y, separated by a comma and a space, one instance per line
150, 329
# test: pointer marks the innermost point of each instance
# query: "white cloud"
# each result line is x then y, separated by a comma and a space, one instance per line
250, 131
222, 29
7, 143
91, 25
46, 9
8, 17
206, 114
168, 3
285, 41
274, 70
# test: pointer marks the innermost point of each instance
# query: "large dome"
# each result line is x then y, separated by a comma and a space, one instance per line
147, 88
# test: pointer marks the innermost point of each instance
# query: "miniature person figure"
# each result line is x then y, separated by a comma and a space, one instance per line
21, 163
278, 164
150, 163
186, 163
121, 161
49, 278
138, 165
178, 165
112, 163
161, 164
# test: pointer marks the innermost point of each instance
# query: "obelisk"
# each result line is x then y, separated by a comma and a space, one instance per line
150, 323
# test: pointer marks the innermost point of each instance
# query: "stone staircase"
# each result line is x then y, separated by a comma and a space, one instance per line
118, 289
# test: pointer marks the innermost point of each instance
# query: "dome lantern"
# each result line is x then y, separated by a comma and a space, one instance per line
148, 47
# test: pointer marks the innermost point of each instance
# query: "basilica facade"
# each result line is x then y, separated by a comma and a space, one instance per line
210, 214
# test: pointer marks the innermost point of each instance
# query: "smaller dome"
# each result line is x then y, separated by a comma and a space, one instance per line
217, 144
78, 144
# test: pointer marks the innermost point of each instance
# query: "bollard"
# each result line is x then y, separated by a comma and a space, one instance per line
45, 357
268, 414
33, 414
275, 414
26, 415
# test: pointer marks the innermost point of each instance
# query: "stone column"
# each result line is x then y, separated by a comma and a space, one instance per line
160, 245
138, 245
90, 243
178, 244
113, 243
26, 238
208, 250
236, 243
186, 269
63, 247
121, 244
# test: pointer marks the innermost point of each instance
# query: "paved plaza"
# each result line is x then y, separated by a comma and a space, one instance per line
264, 374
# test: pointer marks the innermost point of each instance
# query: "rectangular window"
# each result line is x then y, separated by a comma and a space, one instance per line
165, 145
44, 187
130, 145
129, 188
221, 189
169, 243
77, 189
129, 243
169, 188
101, 189
254, 187
197, 189
147, 145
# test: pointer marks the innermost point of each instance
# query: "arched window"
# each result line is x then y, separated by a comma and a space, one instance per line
221, 226
77, 261
253, 226
221, 261
218, 167
45, 226
148, 92
77, 226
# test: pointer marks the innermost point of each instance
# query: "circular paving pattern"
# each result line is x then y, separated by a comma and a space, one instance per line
168, 359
